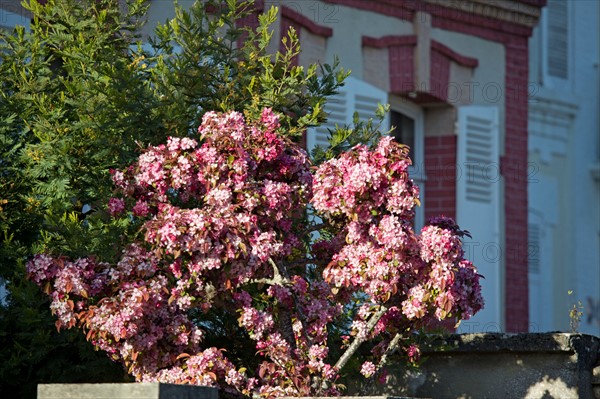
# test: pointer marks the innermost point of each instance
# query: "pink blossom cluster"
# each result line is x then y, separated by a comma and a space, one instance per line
361, 184
298, 355
223, 222
420, 279
125, 309
227, 202
449, 284
361, 188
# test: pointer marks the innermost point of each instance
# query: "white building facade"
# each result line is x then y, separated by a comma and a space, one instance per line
564, 176
504, 129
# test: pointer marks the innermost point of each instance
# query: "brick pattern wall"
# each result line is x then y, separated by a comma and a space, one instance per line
440, 169
514, 170
439, 75
425, 80
401, 60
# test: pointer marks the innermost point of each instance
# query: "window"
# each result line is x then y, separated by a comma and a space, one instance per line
404, 131
355, 96
407, 120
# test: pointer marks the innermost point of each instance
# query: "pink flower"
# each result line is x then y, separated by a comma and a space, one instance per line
141, 208
368, 369
41, 268
414, 353
116, 206
269, 119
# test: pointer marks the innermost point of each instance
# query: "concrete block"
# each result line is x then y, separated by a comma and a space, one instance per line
146, 390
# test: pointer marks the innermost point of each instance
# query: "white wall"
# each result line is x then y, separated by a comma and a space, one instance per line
564, 150
586, 154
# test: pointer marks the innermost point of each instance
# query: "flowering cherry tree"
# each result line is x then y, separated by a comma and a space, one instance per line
236, 221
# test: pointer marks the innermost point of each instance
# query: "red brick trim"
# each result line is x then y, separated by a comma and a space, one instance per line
305, 22
443, 17
514, 169
389, 41
392, 8
440, 168
401, 50
401, 68
454, 56
439, 75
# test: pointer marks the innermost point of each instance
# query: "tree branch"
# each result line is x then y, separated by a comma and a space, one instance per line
277, 279
358, 341
285, 315
392, 347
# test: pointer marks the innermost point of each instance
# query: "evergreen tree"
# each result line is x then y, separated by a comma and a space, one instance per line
80, 96
72, 105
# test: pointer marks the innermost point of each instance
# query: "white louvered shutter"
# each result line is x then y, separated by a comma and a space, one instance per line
540, 273
558, 33
477, 206
355, 96
533, 248
535, 288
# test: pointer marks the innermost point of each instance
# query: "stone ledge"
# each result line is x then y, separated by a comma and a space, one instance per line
145, 390
356, 397
499, 342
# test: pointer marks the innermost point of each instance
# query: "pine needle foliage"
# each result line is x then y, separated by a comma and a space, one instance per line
81, 93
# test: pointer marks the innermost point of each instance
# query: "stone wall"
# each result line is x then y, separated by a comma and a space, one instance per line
477, 366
